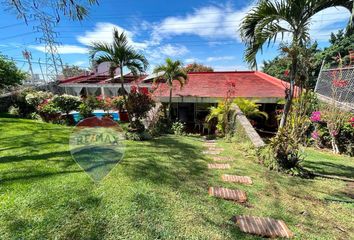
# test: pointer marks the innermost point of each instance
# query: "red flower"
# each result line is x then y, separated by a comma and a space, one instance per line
286, 73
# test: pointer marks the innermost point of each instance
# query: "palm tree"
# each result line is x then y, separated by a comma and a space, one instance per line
121, 55
269, 19
170, 71
249, 108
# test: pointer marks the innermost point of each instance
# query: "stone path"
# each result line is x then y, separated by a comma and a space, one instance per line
265, 227
219, 166
228, 194
236, 179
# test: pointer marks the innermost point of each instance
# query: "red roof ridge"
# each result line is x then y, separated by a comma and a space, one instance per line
215, 72
271, 79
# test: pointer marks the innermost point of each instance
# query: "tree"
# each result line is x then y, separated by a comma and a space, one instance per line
308, 66
170, 71
249, 108
197, 67
269, 19
72, 71
74, 9
10, 75
121, 55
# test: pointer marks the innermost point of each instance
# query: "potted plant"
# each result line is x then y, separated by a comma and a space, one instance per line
118, 104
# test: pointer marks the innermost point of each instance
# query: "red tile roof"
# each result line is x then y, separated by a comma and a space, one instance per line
252, 84
101, 79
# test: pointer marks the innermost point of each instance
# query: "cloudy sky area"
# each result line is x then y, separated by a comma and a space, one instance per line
194, 30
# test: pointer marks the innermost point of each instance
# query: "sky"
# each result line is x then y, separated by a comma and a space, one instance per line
192, 31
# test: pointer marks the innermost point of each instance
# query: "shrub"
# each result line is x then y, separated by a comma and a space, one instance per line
36, 98
118, 103
67, 103
178, 128
48, 111
14, 111
138, 105
19, 101
88, 105
138, 136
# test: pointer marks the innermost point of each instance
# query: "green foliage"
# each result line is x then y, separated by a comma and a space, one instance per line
66, 103
37, 97
197, 67
178, 128
138, 136
14, 111
169, 72
249, 108
341, 44
139, 104
20, 102
220, 114
10, 75
118, 103
88, 105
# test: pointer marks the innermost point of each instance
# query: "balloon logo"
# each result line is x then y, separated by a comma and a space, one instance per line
97, 146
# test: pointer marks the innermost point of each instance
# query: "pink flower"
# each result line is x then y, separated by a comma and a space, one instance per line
315, 135
334, 133
352, 121
315, 116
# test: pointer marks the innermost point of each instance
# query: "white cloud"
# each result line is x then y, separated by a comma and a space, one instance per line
223, 58
230, 68
173, 50
328, 21
208, 22
63, 49
191, 60
103, 33
80, 63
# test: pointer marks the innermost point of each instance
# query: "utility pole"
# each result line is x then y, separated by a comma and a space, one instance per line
53, 61
28, 56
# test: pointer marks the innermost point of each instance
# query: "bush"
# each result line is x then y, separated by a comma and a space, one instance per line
138, 136
88, 105
178, 128
14, 111
67, 103
19, 101
36, 98
49, 112
118, 103
138, 105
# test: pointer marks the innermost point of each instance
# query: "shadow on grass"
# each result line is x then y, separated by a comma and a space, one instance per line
330, 168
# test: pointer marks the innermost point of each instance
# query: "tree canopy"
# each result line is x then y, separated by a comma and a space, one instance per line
10, 75
72, 71
197, 67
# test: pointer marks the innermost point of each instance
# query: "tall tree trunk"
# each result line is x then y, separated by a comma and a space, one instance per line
169, 104
290, 95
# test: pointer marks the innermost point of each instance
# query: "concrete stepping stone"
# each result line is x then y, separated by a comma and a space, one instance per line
210, 141
228, 194
263, 226
211, 152
218, 166
210, 144
220, 159
215, 149
236, 179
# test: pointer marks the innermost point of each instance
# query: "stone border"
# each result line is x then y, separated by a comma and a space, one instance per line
251, 133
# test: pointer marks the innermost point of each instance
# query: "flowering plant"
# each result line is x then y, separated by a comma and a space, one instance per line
315, 116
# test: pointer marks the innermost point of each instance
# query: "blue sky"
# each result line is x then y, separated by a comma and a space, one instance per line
193, 30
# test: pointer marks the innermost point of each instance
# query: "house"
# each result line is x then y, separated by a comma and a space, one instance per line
191, 103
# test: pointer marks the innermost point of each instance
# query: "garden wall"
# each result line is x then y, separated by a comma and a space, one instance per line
243, 130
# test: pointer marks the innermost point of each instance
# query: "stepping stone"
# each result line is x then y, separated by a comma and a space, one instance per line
218, 158
228, 194
215, 149
210, 141
236, 179
211, 152
218, 166
209, 144
265, 227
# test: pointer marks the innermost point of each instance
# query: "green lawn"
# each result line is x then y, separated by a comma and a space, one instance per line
325, 162
159, 191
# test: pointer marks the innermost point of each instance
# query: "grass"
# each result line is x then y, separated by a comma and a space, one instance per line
325, 162
159, 191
